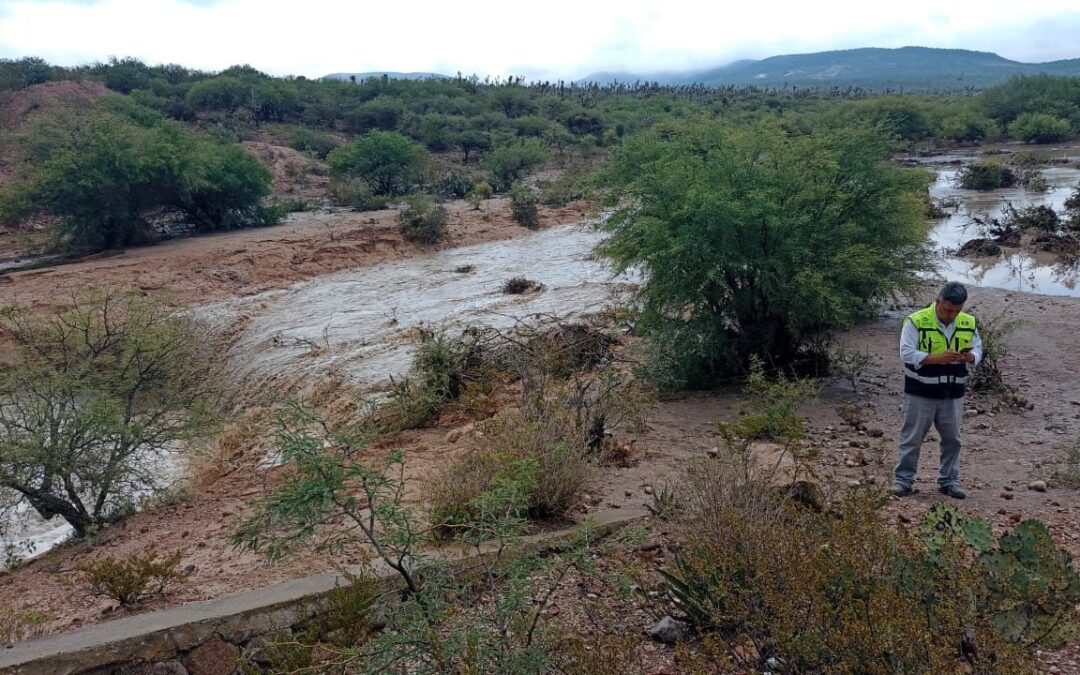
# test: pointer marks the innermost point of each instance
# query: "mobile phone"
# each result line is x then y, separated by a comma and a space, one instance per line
965, 350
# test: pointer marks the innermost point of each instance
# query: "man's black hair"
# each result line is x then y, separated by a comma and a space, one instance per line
954, 293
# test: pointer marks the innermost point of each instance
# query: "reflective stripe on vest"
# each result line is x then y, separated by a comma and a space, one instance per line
942, 380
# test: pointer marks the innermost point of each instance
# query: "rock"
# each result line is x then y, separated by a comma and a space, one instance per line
1007, 495
668, 630
171, 667
1037, 485
214, 657
875, 433
454, 435
648, 489
712, 452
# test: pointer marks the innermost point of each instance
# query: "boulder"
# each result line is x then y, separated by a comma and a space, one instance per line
668, 630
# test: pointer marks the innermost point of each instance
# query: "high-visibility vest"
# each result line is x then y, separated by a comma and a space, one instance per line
939, 381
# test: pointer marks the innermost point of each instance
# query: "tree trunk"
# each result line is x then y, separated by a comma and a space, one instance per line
48, 506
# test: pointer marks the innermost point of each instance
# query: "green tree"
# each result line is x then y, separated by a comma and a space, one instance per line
93, 399
386, 160
753, 242
511, 163
1036, 127
25, 72
106, 172
219, 93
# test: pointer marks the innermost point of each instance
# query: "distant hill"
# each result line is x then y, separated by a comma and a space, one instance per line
391, 75
908, 68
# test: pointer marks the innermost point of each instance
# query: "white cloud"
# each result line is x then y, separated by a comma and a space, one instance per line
553, 37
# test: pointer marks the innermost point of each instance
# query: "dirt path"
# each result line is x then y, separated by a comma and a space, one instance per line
215, 267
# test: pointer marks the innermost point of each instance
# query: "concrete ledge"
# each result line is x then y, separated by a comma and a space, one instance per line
166, 634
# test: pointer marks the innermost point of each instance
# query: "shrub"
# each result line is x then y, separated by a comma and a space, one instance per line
133, 580
453, 183
747, 258
987, 175
357, 195
1037, 127
988, 377
512, 163
562, 191
309, 140
423, 221
442, 368
543, 453
845, 592
518, 285
483, 189
523, 206
18, 624
389, 162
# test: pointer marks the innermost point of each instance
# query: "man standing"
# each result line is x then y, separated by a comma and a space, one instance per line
936, 345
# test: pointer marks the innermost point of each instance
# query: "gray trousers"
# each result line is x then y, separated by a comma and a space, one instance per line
919, 413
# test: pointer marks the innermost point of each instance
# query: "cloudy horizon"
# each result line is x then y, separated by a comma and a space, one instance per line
556, 39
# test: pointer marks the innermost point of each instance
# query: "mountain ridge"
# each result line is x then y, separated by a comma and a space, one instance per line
910, 68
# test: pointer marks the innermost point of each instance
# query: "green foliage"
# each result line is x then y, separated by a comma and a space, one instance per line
93, 397
968, 126
839, 590
563, 190
218, 93
132, 580
453, 183
442, 368
523, 206
987, 175
357, 195
491, 620
106, 172
772, 409
422, 221
754, 242
25, 72
1036, 127
483, 189
541, 456
315, 142
511, 163
381, 114
1043, 94
389, 162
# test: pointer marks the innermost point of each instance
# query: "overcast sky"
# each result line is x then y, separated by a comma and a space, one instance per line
547, 38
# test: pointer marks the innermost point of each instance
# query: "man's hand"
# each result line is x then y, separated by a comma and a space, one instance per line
948, 358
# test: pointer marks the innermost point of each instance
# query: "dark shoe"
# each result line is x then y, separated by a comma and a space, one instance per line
901, 491
952, 491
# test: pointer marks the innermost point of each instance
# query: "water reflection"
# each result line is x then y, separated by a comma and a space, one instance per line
1013, 270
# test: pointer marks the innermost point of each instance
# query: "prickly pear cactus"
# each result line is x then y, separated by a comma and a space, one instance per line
1031, 588
945, 524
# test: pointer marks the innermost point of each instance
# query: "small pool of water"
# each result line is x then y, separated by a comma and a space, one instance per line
1020, 271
